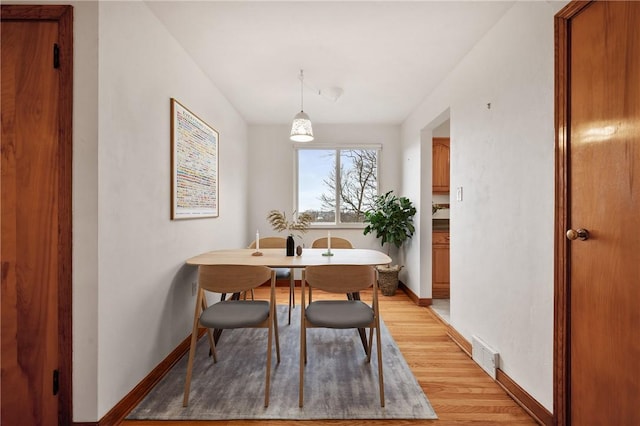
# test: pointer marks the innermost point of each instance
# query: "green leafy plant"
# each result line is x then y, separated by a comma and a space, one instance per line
391, 218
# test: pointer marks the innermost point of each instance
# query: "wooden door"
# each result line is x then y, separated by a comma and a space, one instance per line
598, 271
36, 222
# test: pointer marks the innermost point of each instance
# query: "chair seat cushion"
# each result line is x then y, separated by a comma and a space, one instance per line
282, 273
235, 314
339, 313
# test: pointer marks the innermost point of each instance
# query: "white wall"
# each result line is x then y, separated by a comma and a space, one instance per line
502, 231
132, 292
443, 130
85, 211
271, 163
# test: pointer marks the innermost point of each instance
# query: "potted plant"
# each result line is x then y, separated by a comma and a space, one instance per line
391, 218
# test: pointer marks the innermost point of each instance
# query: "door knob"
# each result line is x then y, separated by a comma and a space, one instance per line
580, 234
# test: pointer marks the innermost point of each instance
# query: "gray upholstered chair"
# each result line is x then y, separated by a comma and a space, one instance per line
231, 314
281, 273
341, 314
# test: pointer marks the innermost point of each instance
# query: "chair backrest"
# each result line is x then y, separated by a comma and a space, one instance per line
336, 242
270, 242
340, 278
232, 278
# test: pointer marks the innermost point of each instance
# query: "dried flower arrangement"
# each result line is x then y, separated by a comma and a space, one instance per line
279, 222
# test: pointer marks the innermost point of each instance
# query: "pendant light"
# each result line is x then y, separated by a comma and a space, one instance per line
301, 130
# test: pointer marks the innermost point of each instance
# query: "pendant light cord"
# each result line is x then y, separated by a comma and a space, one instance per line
301, 90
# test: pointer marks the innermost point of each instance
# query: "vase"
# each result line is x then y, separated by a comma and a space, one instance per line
290, 246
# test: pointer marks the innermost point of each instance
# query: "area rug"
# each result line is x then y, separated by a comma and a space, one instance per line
339, 384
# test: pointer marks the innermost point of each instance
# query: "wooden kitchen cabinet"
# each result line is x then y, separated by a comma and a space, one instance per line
440, 163
440, 265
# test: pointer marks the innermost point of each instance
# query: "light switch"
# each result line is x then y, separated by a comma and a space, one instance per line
459, 193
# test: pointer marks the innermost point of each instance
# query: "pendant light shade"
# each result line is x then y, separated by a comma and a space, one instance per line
301, 130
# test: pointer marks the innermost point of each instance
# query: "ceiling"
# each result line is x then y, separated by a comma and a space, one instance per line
386, 56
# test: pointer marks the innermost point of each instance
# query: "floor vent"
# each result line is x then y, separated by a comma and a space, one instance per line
484, 356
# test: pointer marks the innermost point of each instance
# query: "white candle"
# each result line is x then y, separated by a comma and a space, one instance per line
329, 240
257, 239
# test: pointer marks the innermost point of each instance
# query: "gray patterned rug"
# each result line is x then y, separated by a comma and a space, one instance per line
339, 384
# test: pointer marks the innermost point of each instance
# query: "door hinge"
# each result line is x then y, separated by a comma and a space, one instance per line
56, 382
56, 55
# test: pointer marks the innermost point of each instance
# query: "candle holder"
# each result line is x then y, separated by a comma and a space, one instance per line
257, 252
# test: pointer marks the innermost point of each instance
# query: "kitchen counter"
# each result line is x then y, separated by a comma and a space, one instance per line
440, 225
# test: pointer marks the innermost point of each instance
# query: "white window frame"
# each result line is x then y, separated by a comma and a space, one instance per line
321, 146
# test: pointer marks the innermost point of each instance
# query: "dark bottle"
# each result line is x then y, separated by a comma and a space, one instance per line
290, 245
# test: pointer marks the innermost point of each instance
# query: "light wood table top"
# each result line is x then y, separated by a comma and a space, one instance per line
277, 258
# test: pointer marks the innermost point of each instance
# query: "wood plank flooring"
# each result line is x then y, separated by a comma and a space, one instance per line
460, 392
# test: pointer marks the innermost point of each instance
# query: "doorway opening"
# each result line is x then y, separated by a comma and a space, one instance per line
435, 139
440, 249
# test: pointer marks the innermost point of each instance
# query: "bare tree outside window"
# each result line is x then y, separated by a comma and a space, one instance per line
351, 177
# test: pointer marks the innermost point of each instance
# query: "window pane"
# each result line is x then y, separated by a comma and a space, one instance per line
354, 175
358, 183
316, 172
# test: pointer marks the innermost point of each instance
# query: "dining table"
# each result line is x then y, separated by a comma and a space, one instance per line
277, 258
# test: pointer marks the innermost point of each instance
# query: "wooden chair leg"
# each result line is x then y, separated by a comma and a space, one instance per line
192, 347
275, 324
290, 305
244, 295
380, 373
212, 346
268, 375
370, 344
292, 284
303, 341
187, 383
292, 295
303, 360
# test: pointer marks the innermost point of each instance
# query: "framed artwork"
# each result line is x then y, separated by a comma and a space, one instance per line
194, 165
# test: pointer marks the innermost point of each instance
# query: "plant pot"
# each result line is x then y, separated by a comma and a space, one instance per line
388, 279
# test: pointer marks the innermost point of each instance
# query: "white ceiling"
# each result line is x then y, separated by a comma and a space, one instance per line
387, 56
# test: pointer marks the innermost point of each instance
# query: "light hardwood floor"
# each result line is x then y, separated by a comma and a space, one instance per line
460, 392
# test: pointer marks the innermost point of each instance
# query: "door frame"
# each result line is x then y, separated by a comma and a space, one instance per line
63, 15
562, 270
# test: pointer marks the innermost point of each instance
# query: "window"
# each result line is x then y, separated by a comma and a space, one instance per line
337, 185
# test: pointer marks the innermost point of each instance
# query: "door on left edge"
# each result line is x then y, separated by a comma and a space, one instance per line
29, 221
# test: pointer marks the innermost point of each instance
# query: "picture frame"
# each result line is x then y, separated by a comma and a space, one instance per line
194, 165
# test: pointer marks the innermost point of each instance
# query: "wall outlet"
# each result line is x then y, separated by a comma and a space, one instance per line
485, 356
194, 288
459, 193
